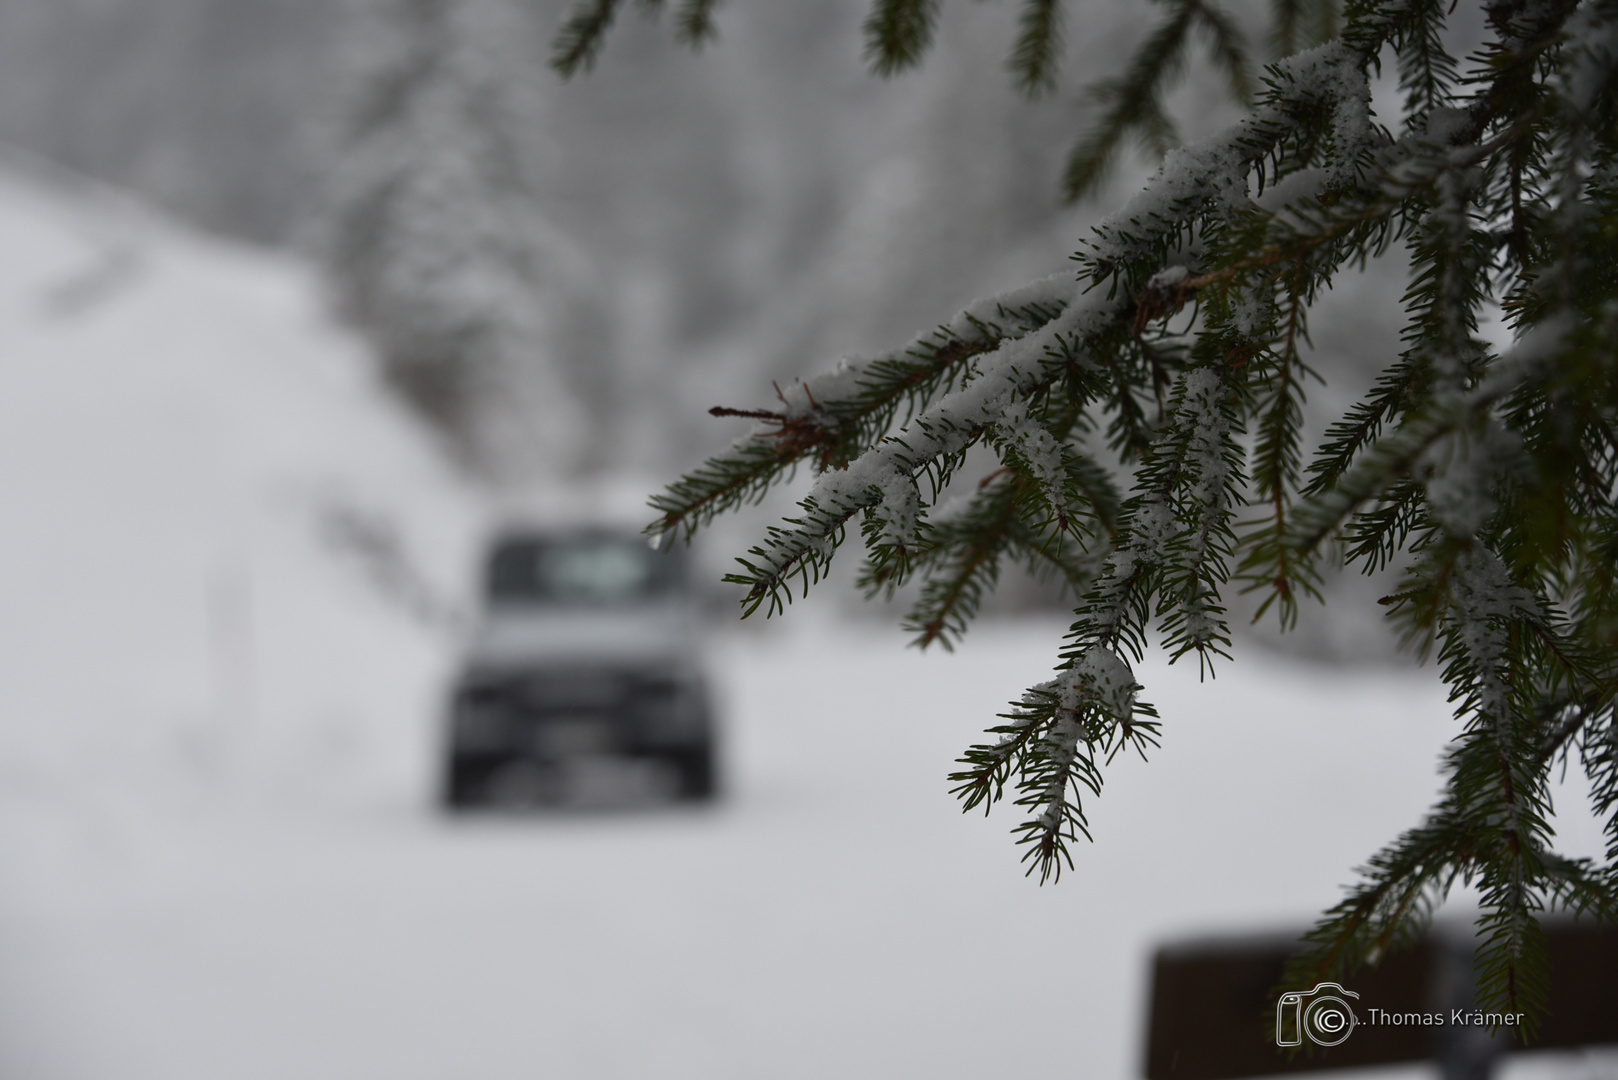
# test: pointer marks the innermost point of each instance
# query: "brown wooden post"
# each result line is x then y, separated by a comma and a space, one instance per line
1213, 1013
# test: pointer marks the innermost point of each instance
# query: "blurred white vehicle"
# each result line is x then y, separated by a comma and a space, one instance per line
588, 648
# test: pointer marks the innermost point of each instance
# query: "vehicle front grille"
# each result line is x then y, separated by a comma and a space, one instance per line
597, 691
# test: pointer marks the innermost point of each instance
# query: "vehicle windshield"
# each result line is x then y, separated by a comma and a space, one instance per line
591, 570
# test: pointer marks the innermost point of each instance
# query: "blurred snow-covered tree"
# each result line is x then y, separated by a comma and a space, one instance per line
440, 248
1146, 413
208, 107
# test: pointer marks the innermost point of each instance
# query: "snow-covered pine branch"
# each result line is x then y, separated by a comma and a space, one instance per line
1489, 480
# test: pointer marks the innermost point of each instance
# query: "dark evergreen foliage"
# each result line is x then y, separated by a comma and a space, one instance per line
581, 36
1175, 359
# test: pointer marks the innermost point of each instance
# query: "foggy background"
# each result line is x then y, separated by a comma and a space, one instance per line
299, 300
725, 218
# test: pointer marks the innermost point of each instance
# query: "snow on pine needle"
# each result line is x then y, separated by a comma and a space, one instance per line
1145, 417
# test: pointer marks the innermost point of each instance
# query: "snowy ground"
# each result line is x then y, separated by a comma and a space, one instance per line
223, 632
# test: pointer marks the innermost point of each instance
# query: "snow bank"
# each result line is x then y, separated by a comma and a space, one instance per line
227, 556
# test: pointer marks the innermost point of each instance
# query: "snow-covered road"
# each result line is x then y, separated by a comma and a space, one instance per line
833, 917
